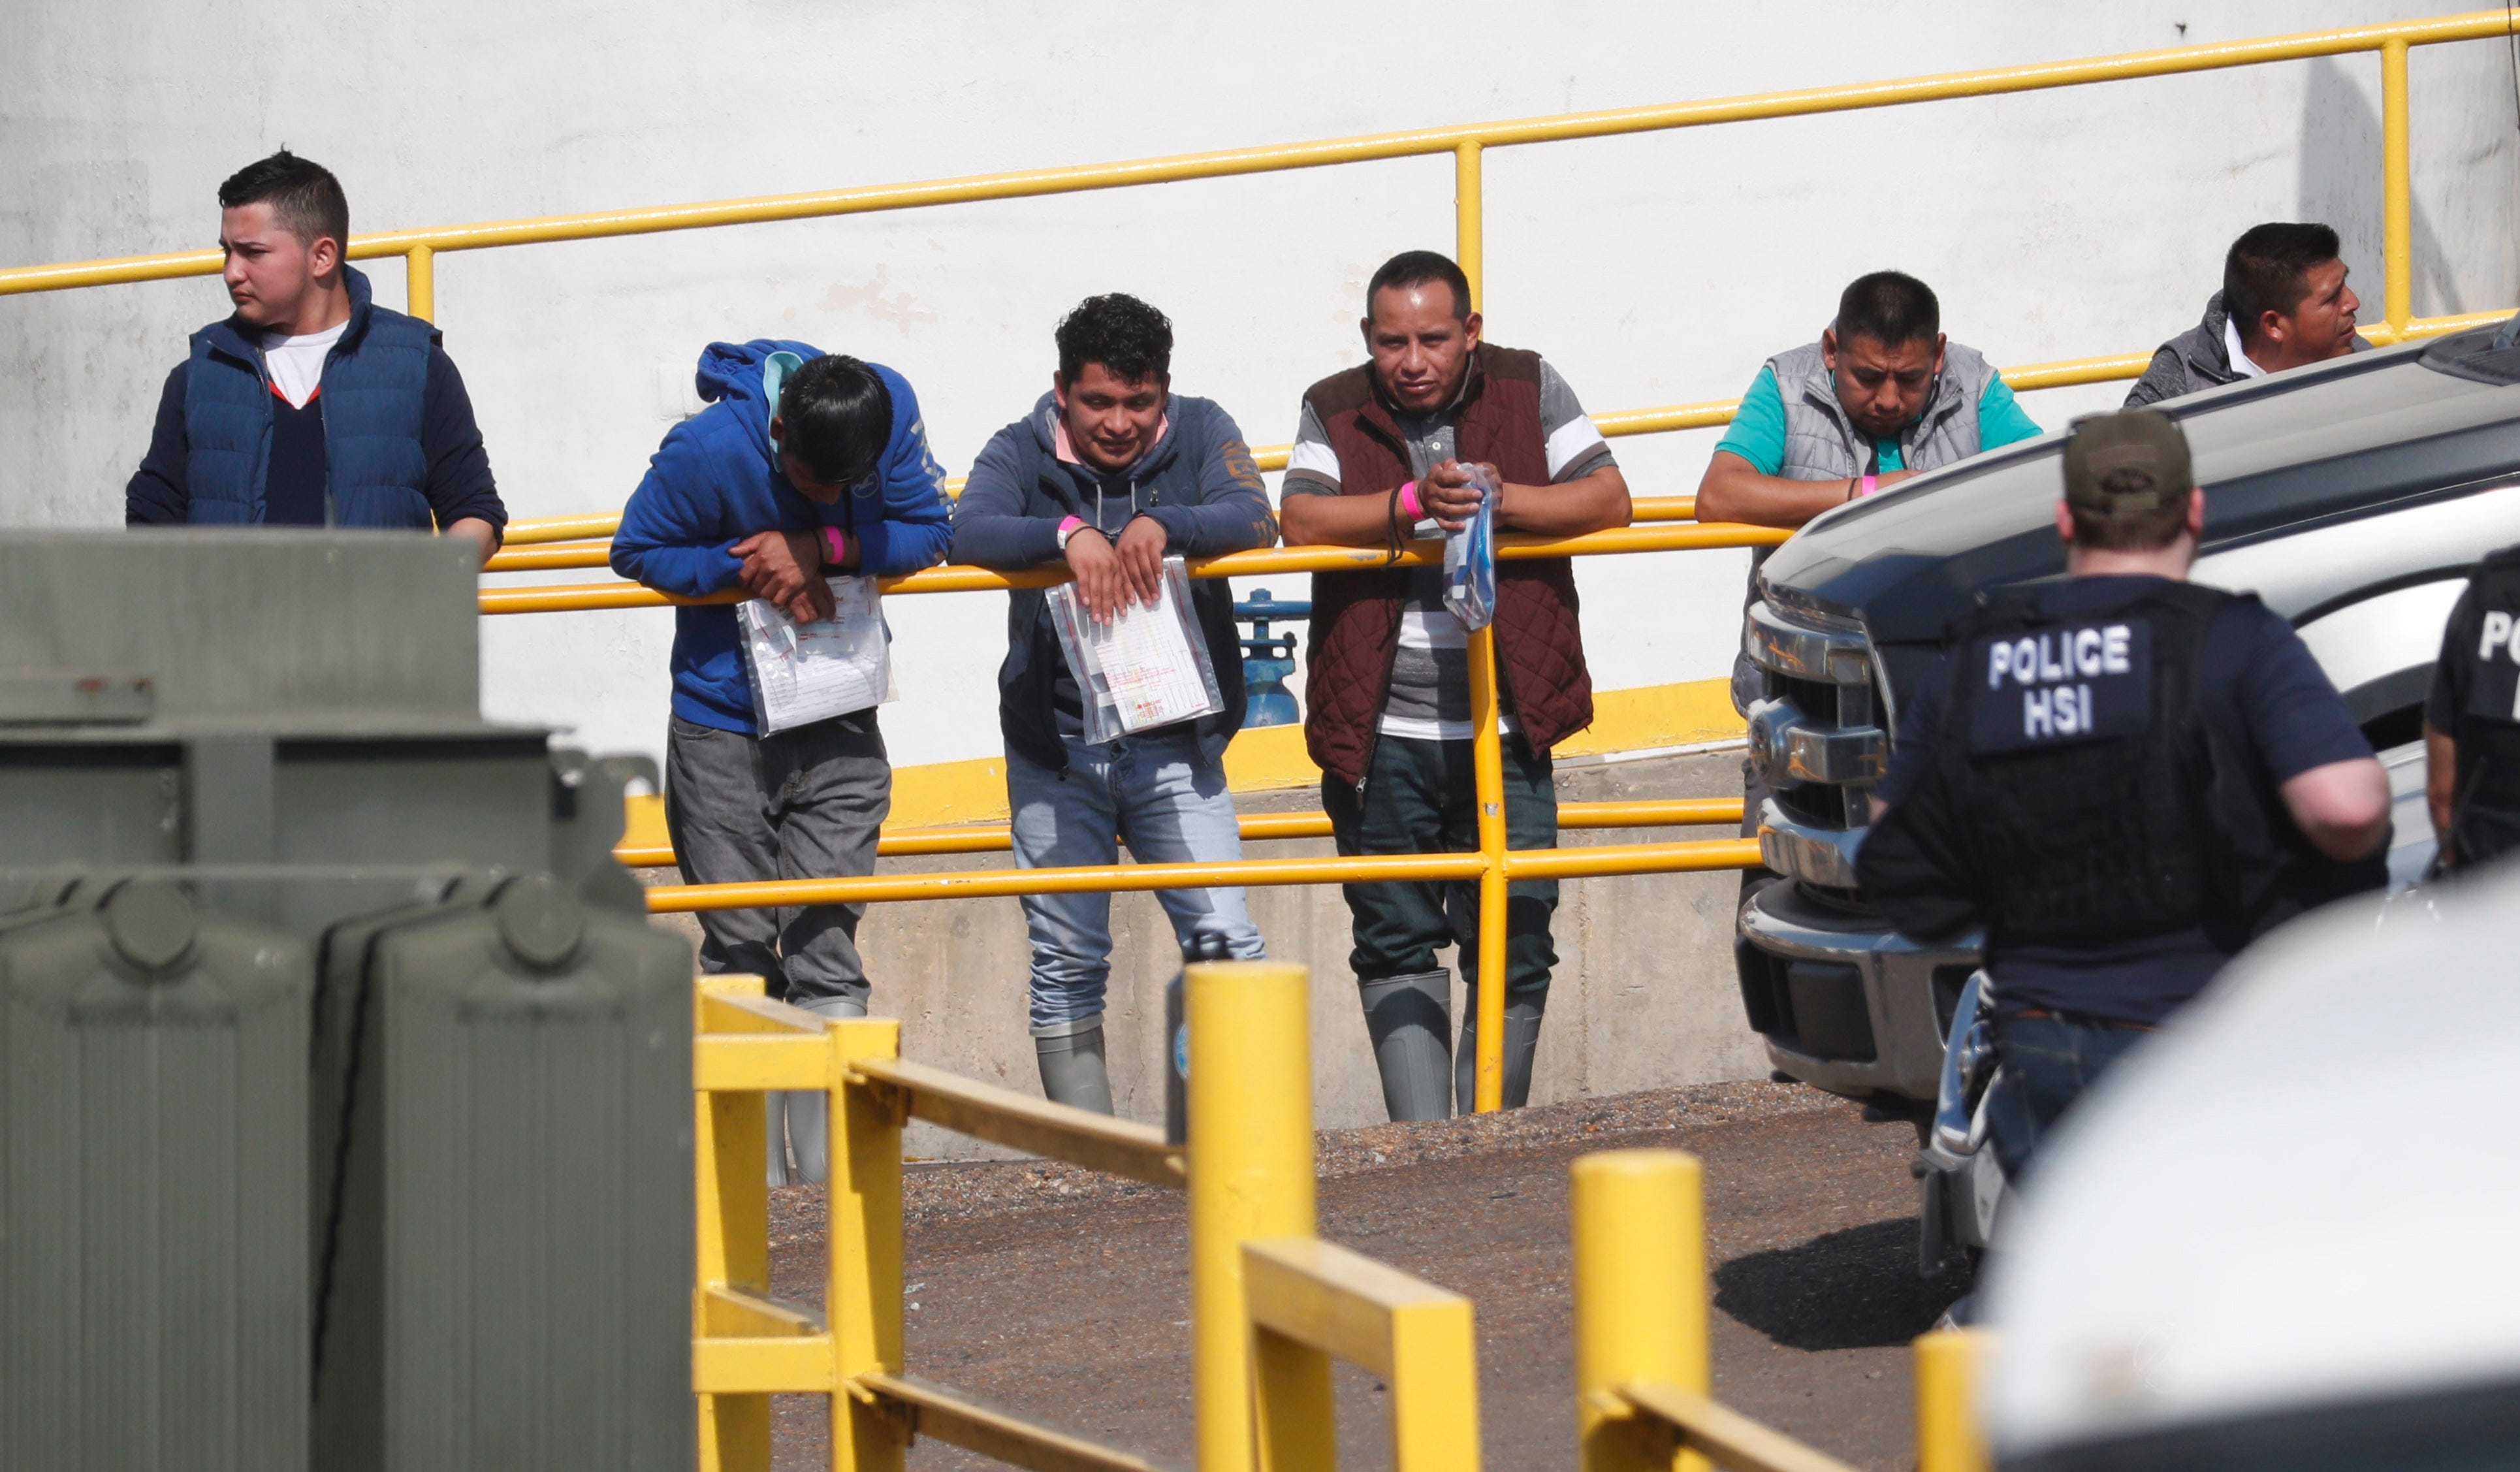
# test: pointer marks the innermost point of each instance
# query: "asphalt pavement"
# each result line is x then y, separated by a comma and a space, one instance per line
1065, 1294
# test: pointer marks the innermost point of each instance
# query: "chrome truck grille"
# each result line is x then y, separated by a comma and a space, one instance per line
1818, 738
1843, 1001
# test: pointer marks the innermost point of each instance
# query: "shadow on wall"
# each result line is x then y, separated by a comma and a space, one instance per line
2341, 176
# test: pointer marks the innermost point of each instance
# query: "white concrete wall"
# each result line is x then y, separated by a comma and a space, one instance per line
1652, 269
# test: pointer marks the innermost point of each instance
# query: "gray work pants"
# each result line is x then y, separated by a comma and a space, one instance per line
803, 804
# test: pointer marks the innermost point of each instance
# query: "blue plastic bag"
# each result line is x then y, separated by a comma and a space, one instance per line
1469, 559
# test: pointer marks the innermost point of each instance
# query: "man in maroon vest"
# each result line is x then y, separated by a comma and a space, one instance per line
1381, 458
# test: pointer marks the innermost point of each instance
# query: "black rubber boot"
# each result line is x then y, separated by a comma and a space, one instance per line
1409, 1019
1072, 1066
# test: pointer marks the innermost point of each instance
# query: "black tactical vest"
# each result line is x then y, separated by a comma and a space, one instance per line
2485, 640
2075, 796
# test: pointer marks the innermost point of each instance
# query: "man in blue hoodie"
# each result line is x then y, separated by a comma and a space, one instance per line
1109, 474
802, 467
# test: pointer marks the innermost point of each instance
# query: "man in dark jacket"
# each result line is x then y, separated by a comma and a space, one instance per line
311, 405
803, 466
1384, 452
2284, 303
1109, 474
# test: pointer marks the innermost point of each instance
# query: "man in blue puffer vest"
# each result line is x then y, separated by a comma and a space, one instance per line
802, 467
311, 405
1109, 472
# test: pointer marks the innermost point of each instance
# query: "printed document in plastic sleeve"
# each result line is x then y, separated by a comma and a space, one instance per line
1147, 667
803, 673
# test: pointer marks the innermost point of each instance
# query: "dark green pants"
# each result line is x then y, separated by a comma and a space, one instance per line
1419, 799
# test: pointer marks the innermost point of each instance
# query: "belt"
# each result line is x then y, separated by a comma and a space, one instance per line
2084, 1019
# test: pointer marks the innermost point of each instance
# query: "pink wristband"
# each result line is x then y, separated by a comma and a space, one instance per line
1070, 524
835, 547
1408, 503
1871, 484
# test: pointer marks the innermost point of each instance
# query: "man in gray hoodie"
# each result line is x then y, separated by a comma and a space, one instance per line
2284, 303
1109, 474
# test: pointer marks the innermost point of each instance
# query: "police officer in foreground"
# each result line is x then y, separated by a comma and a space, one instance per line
2123, 776
2472, 720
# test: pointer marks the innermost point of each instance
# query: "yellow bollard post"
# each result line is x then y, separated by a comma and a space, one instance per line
1640, 1299
862, 1301
1469, 222
1251, 1177
1948, 1438
1487, 782
420, 283
2396, 207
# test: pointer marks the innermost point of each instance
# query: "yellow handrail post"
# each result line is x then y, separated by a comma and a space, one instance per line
1294, 1423
1434, 1388
1640, 1299
1487, 779
420, 283
862, 1300
733, 1242
1948, 1435
1251, 1177
2397, 204
1487, 764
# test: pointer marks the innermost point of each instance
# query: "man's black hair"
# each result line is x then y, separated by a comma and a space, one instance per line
1890, 307
305, 200
1130, 339
838, 418
1417, 268
2267, 270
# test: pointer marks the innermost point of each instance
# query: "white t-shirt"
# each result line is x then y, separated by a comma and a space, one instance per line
297, 364
2241, 362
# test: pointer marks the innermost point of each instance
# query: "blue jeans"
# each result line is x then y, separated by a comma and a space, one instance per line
1155, 793
2048, 1062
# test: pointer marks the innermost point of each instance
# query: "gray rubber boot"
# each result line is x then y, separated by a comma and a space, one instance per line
1521, 1040
1409, 1019
799, 1120
1072, 1067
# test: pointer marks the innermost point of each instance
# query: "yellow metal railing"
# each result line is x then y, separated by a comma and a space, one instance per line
998, 838
1641, 1339
580, 597
1641, 1363
1491, 865
1269, 1301
578, 537
1466, 143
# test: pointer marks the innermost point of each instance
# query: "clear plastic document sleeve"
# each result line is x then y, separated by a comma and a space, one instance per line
803, 673
1147, 667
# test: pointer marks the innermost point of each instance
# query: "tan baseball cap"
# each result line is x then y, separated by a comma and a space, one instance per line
2142, 441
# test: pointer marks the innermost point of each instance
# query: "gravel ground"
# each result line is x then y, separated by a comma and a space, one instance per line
1065, 1292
